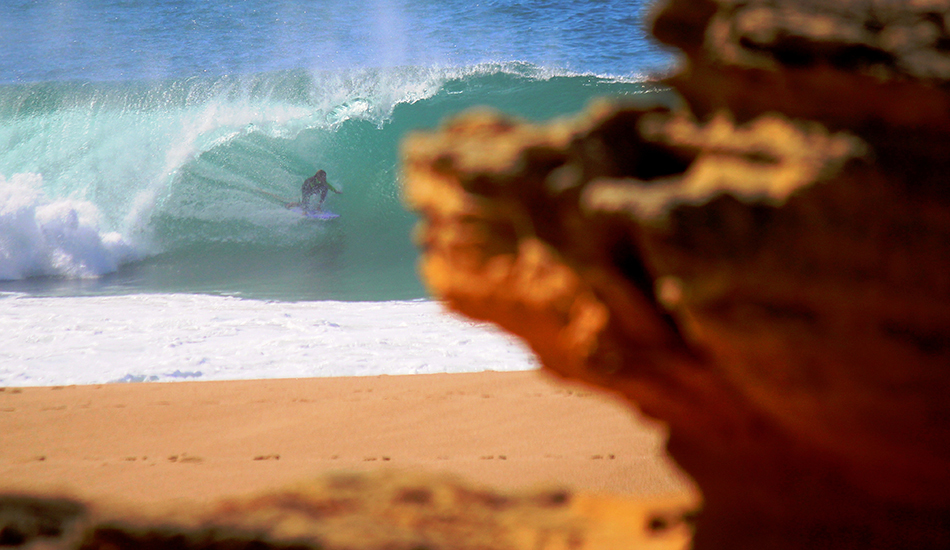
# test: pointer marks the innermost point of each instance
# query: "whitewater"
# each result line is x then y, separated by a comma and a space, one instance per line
146, 152
167, 337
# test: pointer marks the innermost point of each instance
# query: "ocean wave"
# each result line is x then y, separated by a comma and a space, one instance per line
127, 171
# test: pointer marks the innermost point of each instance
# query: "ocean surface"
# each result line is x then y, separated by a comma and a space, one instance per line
147, 148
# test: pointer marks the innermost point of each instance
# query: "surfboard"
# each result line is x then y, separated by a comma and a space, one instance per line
314, 214
295, 207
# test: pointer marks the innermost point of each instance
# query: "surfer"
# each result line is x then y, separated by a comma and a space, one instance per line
314, 185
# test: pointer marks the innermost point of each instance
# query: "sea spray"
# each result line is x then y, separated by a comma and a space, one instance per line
42, 237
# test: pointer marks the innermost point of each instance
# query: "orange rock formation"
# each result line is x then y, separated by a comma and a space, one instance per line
764, 269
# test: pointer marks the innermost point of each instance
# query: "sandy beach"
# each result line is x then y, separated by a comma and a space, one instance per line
198, 442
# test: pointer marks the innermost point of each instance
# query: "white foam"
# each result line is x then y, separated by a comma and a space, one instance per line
165, 337
41, 237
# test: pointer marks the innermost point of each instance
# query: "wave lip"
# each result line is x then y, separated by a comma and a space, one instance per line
39, 237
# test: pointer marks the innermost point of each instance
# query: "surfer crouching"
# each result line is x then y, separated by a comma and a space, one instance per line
314, 185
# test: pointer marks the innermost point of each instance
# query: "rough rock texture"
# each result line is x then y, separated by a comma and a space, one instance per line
384, 510
766, 270
848, 63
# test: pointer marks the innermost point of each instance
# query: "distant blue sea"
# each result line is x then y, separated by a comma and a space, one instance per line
146, 146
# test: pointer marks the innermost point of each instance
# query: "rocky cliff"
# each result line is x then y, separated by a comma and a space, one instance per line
764, 268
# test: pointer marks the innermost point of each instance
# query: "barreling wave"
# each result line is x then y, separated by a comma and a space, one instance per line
102, 174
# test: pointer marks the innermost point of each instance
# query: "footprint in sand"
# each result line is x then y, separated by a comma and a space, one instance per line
184, 458
601, 457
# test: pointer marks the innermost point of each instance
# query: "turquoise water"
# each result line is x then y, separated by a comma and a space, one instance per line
142, 146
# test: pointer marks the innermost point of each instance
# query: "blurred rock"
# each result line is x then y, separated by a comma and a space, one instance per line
383, 510
766, 269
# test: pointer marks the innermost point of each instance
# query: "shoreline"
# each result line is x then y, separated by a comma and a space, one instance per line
200, 442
